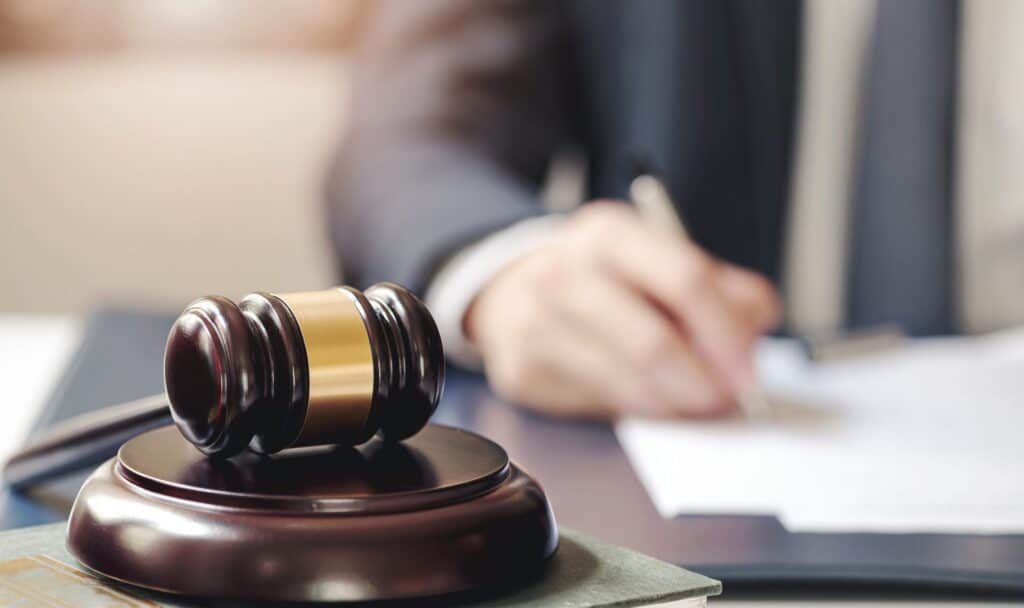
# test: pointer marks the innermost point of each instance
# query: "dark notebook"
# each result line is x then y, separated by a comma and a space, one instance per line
119, 359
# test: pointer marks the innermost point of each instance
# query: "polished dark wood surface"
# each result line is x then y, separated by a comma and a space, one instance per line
238, 375
437, 466
413, 360
445, 511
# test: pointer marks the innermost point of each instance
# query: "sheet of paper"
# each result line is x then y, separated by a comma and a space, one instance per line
929, 437
33, 352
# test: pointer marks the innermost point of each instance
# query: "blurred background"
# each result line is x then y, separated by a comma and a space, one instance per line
136, 133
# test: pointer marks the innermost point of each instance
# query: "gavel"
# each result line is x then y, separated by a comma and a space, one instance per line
270, 372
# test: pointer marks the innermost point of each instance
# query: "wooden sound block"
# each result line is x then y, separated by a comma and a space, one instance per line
444, 511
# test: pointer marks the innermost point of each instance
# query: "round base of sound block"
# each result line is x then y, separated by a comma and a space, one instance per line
442, 512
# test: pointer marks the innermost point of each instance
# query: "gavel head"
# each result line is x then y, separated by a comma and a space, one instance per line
286, 370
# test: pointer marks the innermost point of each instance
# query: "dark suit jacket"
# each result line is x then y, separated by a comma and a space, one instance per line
459, 105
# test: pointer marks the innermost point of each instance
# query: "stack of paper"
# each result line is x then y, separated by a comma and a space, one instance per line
927, 438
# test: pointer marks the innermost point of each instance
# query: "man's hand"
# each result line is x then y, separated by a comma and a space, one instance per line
619, 317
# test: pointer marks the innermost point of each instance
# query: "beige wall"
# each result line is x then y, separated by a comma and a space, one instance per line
157, 178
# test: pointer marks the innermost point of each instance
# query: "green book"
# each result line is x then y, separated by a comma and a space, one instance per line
36, 570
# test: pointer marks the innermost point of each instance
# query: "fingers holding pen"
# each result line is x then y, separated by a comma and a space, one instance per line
751, 296
648, 348
721, 308
617, 317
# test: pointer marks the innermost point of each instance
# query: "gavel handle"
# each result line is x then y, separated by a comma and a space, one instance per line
84, 441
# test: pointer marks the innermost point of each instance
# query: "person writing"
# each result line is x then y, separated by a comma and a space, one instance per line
835, 150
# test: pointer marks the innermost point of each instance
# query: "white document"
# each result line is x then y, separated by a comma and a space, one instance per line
926, 438
33, 351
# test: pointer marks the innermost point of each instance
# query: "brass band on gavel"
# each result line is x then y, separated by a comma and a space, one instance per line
307, 368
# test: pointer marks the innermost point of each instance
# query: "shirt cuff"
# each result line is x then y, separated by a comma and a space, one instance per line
461, 278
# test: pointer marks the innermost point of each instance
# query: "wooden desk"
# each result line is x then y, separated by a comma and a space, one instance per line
592, 488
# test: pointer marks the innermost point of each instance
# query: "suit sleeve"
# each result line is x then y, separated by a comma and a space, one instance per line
456, 112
